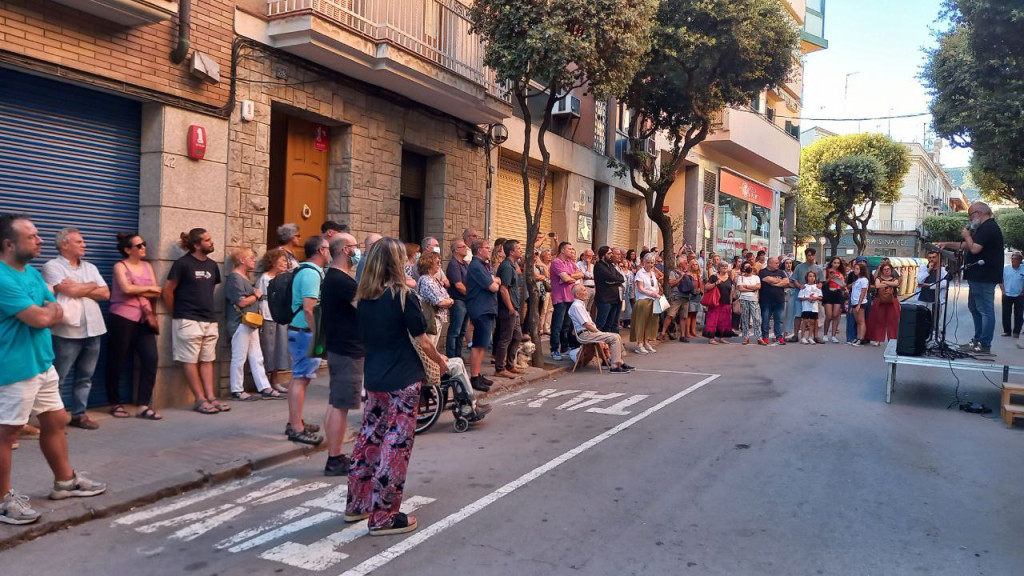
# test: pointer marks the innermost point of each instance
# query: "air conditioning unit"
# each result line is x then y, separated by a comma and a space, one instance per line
567, 105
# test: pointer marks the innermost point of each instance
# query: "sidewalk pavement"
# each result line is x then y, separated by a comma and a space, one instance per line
143, 461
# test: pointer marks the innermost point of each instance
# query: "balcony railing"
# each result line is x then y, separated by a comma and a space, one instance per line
434, 30
890, 225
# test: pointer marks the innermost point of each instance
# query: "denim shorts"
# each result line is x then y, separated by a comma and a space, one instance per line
302, 365
483, 329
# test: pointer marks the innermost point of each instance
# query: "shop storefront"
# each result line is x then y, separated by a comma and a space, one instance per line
743, 215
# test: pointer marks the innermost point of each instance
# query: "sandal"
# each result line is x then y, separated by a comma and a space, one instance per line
271, 394
400, 525
204, 407
221, 406
119, 412
149, 414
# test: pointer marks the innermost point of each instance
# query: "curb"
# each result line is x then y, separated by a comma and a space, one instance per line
81, 511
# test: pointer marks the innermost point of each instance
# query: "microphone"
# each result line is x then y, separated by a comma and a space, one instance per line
973, 264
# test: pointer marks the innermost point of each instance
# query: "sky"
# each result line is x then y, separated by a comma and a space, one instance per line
870, 69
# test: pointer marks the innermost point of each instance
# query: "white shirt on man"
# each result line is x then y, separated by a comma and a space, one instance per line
579, 315
87, 319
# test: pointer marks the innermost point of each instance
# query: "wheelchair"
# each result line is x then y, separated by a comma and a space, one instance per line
436, 399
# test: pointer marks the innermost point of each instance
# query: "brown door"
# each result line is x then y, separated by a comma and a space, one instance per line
305, 187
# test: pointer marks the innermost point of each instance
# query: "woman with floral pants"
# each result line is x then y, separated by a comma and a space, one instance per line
389, 317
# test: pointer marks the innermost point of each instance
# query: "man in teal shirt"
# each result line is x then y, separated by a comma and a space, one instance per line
305, 299
29, 382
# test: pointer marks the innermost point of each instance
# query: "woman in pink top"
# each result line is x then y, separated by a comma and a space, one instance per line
128, 332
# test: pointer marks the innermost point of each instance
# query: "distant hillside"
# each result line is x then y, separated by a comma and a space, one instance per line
961, 178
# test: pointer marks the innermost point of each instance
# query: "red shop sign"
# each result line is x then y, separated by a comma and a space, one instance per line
743, 188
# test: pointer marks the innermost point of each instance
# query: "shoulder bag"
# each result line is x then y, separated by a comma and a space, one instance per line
430, 368
712, 297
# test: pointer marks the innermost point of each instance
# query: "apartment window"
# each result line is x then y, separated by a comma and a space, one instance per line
623, 119
816, 5
814, 24
756, 103
600, 125
771, 114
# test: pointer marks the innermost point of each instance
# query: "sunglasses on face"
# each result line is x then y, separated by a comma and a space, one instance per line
140, 245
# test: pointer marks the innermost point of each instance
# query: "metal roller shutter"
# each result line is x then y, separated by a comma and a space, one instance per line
69, 157
622, 224
510, 221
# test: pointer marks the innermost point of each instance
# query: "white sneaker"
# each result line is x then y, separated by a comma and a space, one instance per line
804, 341
78, 487
14, 509
812, 341
640, 350
835, 340
651, 349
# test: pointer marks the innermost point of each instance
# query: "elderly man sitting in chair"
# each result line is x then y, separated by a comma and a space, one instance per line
587, 332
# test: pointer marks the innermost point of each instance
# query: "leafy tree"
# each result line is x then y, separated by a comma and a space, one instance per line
975, 77
842, 208
945, 228
811, 213
705, 55
1012, 223
559, 46
856, 181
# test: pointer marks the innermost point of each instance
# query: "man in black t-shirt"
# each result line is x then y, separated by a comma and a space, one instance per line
773, 298
345, 349
983, 247
188, 294
510, 333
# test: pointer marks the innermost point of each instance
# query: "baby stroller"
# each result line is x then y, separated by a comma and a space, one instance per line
447, 396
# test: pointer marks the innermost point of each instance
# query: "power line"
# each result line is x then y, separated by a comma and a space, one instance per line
900, 116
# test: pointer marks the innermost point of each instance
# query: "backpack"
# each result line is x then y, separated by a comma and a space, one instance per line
686, 286
279, 296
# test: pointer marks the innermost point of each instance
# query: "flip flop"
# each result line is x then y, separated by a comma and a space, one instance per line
149, 414
119, 412
204, 407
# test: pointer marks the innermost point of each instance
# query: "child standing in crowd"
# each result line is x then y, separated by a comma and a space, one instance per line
810, 296
858, 299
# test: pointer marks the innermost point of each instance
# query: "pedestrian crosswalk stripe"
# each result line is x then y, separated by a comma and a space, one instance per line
187, 501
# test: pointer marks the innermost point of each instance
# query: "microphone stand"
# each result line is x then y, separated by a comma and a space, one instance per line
939, 346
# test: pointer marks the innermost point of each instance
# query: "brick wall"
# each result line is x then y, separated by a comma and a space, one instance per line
368, 133
62, 36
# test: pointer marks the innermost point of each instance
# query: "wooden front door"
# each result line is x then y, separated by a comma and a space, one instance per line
305, 185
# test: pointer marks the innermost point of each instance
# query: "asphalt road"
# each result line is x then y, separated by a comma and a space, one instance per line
726, 460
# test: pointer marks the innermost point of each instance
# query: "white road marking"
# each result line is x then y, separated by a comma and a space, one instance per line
193, 531
268, 489
588, 398
285, 530
187, 501
323, 553
291, 492
544, 395
333, 500
280, 519
184, 519
676, 372
618, 409
428, 532
502, 399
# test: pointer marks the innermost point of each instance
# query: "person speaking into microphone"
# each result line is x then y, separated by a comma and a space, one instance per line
982, 245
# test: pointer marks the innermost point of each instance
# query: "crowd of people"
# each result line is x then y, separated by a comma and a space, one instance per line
378, 319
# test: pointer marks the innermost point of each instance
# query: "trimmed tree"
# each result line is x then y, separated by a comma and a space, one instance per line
542, 50
853, 181
945, 227
895, 162
705, 55
975, 77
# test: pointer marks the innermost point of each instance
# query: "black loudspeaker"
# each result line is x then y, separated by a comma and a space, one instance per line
915, 326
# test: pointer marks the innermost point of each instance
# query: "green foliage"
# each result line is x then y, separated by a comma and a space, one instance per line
811, 211
705, 55
857, 177
893, 156
975, 77
566, 44
945, 228
840, 203
597, 45
1012, 223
